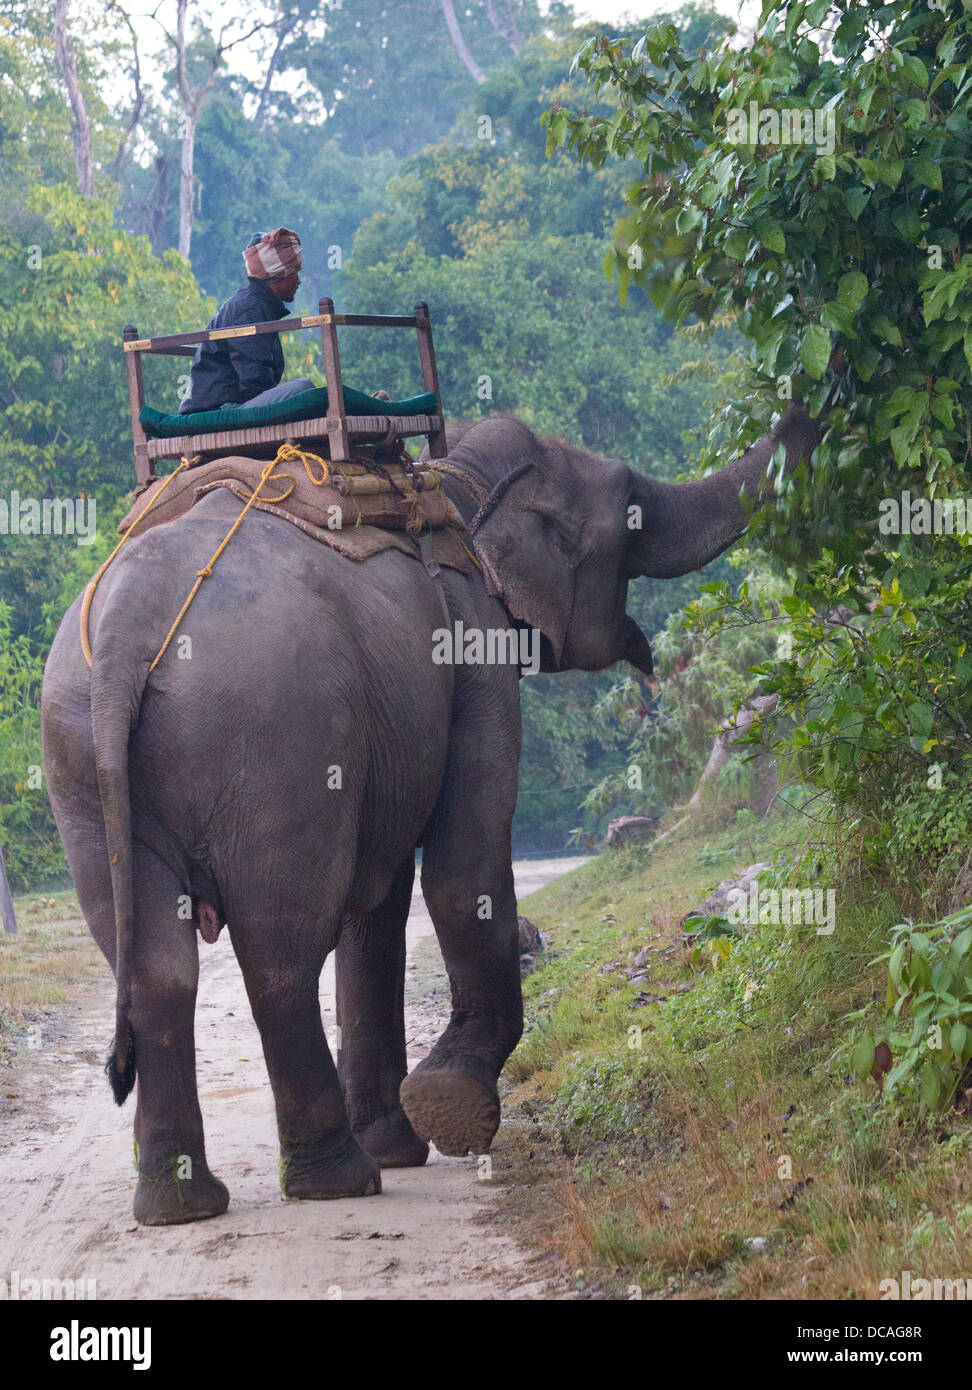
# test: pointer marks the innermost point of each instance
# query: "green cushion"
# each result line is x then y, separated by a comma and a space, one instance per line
306, 405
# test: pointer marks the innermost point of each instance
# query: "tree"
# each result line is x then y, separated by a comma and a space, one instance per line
81, 131
285, 26
815, 185
505, 23
459, 43
192, 98
844, 267
69, 281
395, 77
138, 98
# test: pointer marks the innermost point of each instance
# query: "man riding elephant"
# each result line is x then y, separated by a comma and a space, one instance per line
246, 371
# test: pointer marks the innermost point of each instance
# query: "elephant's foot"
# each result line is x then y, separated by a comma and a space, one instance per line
457, 1112
392, 1142
337, 1168
168, 1197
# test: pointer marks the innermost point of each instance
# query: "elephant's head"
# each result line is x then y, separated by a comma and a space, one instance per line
564, 531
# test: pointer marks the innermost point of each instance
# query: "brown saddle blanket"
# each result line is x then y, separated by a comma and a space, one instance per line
358, 511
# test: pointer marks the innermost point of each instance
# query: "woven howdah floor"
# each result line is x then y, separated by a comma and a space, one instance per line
306, 405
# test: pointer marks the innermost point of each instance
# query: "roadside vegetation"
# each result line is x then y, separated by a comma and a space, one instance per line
702, 1132
773, 1110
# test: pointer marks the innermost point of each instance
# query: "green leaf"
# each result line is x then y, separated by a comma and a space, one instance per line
926, 172
961, 944
856, 200
916, 70
862, 1058
884, 328
770, 235
736, 244
852, 288
839, 318
908, 224
865, 359
815, 351
889, 171
930, 1085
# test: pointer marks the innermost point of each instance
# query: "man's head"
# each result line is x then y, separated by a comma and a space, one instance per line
275, 258
286, 287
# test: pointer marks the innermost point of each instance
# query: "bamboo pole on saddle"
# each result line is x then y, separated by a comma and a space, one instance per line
438, 449
144, 468
337, 425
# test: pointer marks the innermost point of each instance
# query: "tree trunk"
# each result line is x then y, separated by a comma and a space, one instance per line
81, 130
505, 27
156, 205
6, 901
191, 104
186, 190
283, 34
729, 730
192, 100
137, 103
459, 43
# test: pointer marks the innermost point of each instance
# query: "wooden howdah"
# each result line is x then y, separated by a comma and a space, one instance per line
333, 435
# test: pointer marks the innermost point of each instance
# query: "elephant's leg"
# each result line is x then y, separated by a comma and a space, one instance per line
467, 878
319, 1156
174, 1181
371, 1024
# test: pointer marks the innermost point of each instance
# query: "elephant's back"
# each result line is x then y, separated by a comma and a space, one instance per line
291, 664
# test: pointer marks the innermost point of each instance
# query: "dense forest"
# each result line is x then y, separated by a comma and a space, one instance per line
136, 162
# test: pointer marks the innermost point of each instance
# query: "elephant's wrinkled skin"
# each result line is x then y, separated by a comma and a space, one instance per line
282, 775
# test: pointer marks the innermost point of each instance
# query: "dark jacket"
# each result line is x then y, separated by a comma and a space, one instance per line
234, 369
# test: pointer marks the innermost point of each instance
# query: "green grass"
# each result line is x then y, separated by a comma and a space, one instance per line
51, 951
709, 1138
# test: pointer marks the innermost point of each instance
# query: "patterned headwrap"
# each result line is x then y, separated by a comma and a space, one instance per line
273, 255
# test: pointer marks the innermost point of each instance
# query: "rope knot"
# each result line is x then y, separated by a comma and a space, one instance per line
204, 573
289, 453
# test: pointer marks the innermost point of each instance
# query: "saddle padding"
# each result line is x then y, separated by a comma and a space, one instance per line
370, 522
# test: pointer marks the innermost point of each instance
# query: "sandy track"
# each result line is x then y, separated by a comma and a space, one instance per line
67, 1179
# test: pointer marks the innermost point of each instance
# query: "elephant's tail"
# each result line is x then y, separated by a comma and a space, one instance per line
117, 683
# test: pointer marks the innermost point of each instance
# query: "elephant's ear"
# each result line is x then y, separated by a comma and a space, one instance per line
528, 547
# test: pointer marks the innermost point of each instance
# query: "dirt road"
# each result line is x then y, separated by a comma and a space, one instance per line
67, 1180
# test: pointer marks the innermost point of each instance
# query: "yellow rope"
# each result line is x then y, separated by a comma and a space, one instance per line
472, 557
285, 454
89, 592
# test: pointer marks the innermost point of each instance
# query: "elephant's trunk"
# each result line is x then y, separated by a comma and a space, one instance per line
685, 525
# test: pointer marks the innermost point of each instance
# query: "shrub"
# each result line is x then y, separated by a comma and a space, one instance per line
930, 985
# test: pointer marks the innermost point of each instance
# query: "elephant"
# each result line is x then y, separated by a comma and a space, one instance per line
281, 778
